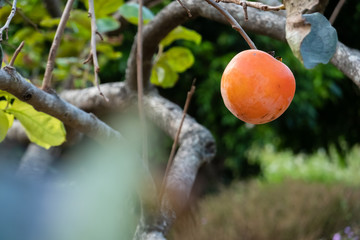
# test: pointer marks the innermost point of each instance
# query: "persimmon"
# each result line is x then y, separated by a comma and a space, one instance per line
256, 87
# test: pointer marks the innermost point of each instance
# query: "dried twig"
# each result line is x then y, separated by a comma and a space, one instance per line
140, 87
55, 45
186, 9
257, 5
336, 11
7, 23
94, 31
176, 139
16, 53
233, 22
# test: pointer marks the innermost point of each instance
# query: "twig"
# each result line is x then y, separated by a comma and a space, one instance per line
336, 11
176, 139
7, 23
256, 5
140, 87
23, 16
94, 31
186, 9
233, 22
16, 53
55, 45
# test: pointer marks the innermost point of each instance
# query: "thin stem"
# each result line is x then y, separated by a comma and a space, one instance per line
55, 45
7, 23
94, 31
336, 11
16, 53
233, 22
176, 139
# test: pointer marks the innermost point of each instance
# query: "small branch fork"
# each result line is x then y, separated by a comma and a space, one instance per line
93, 54
176, 139
257, 5
46, 85
235, 25
7, 23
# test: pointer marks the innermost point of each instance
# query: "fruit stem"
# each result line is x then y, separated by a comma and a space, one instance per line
235, 25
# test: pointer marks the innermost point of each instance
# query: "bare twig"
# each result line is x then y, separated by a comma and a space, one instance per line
140, 87
7, 23
257, 5
186, 9
16, 53
94, 31
336, 11
233, 22
176, 139
55, 45
23, 16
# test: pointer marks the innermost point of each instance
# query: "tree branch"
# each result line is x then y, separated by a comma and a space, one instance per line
55, 45
7, 23
197, 146
89, 124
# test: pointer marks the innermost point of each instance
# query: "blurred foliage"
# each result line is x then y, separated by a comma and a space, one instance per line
315, 167
288, 210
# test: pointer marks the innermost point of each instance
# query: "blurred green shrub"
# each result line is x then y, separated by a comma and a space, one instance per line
315, 167
281, 211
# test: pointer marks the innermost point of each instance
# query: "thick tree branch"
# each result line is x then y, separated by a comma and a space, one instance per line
197, 146
89, 124
347, 60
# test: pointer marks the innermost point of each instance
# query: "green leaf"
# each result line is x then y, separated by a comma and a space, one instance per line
108, 50
50, 22
181, 33
163, 75
107, 24
130, 11
320, 44
178, 58
104, 7
4, 125
41, 128
3, 105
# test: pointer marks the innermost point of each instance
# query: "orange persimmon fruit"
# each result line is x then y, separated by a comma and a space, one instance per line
256, 87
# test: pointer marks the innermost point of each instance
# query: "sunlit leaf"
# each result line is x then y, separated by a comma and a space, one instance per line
162, 75
107, 24
178, 58
80, 17
181, 33
108, 50
320, 44
104, 7
130, 11
4, 125
50, 22
41, 128
5, 104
